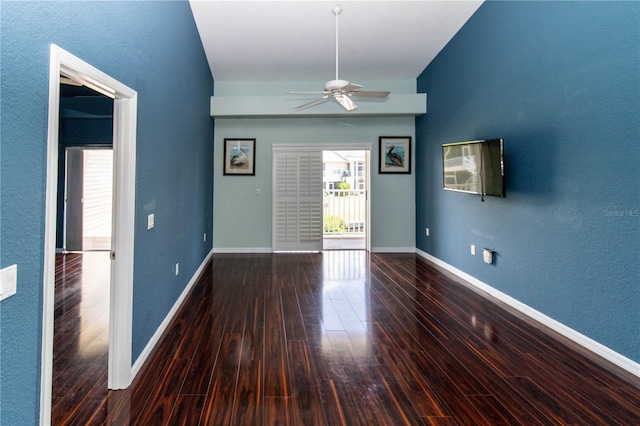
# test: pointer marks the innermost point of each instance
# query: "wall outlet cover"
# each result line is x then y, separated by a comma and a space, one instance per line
8, 281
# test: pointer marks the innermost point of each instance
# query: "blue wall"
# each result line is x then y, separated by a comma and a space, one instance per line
559, 81
154, 48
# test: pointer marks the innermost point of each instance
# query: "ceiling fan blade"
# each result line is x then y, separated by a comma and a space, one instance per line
307, 93
351, 86
369, 93
314, 102
346, 102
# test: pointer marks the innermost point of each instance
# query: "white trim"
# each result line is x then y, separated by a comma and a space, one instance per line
393, 250
144, 355
367, 185
347, 146
121, 313
48, 288
231, 250
579, 338
124, 146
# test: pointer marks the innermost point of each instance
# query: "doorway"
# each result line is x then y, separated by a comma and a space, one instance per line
299, 198
88, 192
82, 276
63, 64
345, 194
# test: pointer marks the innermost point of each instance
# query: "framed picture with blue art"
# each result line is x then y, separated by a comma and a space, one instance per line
395, 154
239, 157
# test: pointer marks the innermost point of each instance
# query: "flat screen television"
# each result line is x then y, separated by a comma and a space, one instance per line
476, 167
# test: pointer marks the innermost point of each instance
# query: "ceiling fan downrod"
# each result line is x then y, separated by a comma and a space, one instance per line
341, 90
337, 9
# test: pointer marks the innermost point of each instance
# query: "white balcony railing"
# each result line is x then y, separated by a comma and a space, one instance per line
344, 211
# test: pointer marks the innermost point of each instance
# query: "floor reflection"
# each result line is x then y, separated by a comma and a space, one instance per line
93, 336
345, 302
488, 331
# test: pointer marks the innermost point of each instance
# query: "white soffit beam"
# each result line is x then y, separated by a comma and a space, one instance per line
284, 106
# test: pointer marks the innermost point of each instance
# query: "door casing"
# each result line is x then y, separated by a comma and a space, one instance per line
124, 151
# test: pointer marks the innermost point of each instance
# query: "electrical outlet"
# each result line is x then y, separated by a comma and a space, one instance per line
8, 281
487, 255
473, 249
177, 269
427, 231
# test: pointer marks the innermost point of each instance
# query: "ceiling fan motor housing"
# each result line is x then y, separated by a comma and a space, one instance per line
335, 85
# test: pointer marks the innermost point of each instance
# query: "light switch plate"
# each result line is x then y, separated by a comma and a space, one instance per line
8, 281
150, 221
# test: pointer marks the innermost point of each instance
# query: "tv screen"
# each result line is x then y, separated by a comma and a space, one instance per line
476, 167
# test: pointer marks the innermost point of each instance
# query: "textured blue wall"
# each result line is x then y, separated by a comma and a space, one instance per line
154, 48
559, 81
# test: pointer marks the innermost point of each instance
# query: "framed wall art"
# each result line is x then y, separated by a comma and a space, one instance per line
239, 157
394, 154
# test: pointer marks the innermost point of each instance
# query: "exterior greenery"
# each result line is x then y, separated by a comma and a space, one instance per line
334, 224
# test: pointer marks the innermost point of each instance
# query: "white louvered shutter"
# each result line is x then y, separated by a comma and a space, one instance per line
297, 200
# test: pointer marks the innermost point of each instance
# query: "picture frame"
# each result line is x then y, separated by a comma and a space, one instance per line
394, 153
239, 157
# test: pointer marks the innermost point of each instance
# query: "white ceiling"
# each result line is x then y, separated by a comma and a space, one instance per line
295, 40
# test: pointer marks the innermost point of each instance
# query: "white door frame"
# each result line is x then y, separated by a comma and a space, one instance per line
124, 163
367, 147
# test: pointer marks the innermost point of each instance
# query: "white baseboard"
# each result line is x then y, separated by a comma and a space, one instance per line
241, 250
393, 249
137, 366
579, 338
250, 250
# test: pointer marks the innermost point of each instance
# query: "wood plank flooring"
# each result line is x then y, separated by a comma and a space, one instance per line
81, 335
337, 338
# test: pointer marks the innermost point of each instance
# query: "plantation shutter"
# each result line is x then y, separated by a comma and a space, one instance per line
297, 200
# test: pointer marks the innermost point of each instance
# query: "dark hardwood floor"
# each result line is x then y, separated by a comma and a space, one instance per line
81, 334
342, 337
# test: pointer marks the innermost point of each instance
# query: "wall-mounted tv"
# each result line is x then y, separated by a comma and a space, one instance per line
476, 167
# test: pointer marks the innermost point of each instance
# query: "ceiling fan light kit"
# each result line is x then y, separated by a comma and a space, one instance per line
340, 90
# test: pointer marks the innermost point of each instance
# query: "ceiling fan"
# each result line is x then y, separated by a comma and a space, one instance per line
341, 90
